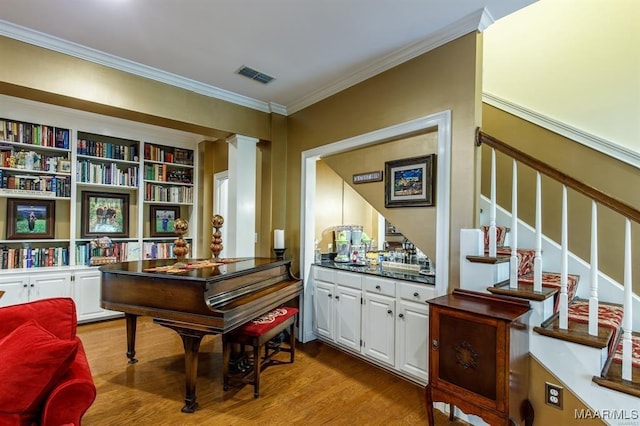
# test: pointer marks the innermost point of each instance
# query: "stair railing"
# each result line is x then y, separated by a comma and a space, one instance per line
596, 197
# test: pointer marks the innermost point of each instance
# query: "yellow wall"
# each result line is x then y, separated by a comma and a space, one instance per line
549, 415
604, 173
443, 79
575, 61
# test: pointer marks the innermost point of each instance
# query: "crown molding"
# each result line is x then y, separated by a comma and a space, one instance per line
56, 44
594, 142
278, 109
476, 21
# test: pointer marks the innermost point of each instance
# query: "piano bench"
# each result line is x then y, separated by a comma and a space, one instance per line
258, 333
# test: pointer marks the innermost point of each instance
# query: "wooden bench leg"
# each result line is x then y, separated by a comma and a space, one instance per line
292, 340
257, 366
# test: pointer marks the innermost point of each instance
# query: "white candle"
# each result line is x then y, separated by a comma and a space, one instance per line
278, 238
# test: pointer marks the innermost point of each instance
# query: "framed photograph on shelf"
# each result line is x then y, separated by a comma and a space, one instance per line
161, 219
104, 215
64, 166
30, 219
410, 182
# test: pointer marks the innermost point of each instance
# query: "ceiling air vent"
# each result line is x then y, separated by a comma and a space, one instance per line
254, 75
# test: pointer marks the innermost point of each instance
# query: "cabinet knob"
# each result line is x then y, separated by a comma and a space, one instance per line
390, 312
401, 315
337, 297
416, 294
377, 287
25, 285
330, 296
434, 344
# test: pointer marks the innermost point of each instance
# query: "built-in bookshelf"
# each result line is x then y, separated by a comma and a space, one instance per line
106, 160
34, 160
168, 174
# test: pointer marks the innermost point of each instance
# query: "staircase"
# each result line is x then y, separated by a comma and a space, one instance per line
582, 326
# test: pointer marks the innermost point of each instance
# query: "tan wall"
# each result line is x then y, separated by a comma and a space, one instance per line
604, 173
422, 231
43, 75
548, 415
443, 79
338, 204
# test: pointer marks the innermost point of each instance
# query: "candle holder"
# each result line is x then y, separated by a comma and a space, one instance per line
279, 253
216, 238
180, 248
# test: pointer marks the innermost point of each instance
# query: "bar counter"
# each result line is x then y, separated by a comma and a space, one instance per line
395, 274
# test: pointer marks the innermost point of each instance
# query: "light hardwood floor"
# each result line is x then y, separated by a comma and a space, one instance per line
323, 387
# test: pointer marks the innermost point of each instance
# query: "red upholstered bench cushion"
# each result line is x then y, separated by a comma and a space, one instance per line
264, 323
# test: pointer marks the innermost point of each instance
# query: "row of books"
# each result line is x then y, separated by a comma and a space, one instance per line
159, 250
168, 155
123, 251
43, 163
107, 150
58, 186
171, 194
34, 134
36, 257
160, 172
108, 174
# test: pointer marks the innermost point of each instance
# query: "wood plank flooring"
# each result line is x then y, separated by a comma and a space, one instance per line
323, 387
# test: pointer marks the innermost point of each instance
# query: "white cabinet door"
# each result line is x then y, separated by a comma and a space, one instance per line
348, 317
413, 337
378, 318
86, 294
323, 309
16, 288
52, 284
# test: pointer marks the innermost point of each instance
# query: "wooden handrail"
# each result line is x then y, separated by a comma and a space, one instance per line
594, 194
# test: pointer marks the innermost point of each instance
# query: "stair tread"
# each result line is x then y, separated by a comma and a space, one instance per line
577, 332
612, 373
635, 351
524, 291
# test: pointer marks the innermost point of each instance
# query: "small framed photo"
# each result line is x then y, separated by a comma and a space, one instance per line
30, 219
161, 219
105, 215
410, 182
64, 166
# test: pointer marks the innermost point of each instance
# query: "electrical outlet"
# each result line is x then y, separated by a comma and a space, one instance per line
553, 395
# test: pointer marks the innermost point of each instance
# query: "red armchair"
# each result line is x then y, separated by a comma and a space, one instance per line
44, 371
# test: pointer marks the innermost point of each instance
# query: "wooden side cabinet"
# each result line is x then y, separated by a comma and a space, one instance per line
479, 356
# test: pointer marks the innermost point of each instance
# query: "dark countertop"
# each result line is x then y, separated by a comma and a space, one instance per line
386, 273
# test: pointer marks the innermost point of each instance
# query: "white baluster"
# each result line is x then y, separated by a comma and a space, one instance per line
513, 276
564, 261
537, 264
593, 292
492, 212
628, 312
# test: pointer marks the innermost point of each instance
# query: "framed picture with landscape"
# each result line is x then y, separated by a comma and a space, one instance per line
161, 219
104, 215
30, 219
410, 182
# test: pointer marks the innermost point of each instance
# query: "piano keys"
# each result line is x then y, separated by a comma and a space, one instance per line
204, 298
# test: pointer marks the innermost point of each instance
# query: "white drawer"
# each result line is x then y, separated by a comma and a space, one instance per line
323, 274
380, 286
416, 292
348, 279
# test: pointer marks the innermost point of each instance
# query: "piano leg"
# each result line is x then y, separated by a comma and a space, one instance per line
132, 321
191, 341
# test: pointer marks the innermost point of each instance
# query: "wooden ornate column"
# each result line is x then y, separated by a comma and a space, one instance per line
479, 356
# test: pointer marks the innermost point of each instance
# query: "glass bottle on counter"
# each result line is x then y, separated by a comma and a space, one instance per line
317, 253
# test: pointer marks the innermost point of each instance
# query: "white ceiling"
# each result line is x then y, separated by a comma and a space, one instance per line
312, 48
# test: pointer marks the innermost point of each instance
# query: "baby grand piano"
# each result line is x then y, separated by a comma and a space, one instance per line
195, 300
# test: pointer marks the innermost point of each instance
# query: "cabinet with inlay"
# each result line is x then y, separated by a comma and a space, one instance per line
479, 356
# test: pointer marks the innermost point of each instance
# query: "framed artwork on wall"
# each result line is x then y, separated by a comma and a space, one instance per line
410, 182
161, 220
30, 219
104, 214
